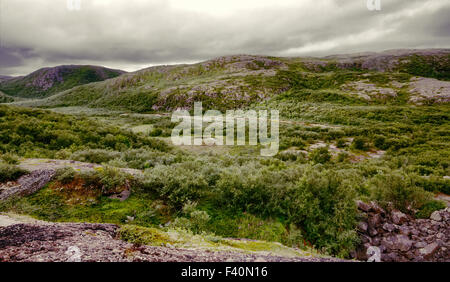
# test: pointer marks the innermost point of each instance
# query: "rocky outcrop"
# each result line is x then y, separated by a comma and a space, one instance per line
28, 184
400, 237
74, 242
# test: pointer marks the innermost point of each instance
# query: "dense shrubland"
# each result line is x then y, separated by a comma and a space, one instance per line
296, 203
295, 198
37, 133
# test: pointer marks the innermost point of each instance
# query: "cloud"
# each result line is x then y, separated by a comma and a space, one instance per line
136, 33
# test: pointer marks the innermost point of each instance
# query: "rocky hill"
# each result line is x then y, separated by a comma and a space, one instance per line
48, 81
238, 81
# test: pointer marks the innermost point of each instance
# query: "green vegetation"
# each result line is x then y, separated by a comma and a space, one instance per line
143, 236
10, 172
335, 148
48, 81
431, 66
37, 133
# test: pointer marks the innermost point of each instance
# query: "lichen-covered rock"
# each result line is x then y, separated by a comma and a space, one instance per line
29, 183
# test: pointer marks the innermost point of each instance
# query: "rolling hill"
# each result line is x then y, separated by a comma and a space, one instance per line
48, 81
394, 76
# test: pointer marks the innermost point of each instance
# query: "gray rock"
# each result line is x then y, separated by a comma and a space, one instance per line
363, 206
29, 183
99, 242
376, 208
436, 216
398, 217
388, 227
429, 250
362, 226
405, 230
419, 245
372, 231
397, 242
374, 220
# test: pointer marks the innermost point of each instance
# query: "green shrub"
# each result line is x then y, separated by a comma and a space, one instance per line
399, 189
176, 184
323, 204
342, 157
156, 132
320, 155
39, 133
97, 156
143, 235
65, 175
380, 142
359, 143
428, 208
341, 143
10, 172
10, 158
252, 227
108, 180
195, 221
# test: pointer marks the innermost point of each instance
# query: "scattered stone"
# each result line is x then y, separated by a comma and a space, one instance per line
87, 242
419, 245
429, 250
362, 226
374, 220
376, 208
401, 237
372, 231
389, 227
398, 217
363, 206
436, 216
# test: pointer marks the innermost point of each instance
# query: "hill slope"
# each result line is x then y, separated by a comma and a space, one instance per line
47, 81
241, 80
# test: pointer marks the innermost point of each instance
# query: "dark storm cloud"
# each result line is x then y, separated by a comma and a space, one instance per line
134, 34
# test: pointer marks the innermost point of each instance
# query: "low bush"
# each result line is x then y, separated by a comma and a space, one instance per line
65, 175
359, 143
428, 208
10, 158
176, 184
399, 189
10, 172
320, 155
143, 235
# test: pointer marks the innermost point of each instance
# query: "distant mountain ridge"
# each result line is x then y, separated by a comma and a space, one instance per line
47, 81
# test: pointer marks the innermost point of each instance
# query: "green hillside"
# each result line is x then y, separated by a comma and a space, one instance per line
48, 81
239, 81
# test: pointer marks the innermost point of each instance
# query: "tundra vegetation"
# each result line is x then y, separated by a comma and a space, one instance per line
336, 147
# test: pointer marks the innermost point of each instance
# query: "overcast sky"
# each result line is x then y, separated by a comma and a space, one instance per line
133, 34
